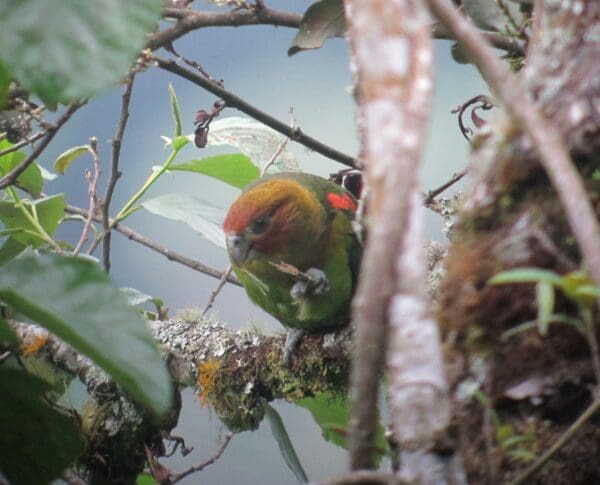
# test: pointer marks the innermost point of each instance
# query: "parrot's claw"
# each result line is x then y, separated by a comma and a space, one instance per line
292, 340
313, 282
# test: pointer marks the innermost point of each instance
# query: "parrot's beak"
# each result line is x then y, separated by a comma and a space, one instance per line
239, 248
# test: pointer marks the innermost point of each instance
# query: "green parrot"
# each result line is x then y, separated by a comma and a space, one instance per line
291, 244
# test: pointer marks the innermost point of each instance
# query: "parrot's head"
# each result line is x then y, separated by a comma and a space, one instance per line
270, 218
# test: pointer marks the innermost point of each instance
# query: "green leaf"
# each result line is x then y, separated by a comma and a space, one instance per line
578, 286
50, 211
322, 20
545, 301
332, 414
203, 217
36, 442
11, 249
145, 479
73, 298
526, 275
285, 444
254, 139
71, 49
31, 179
233, 168
65, 158
4, 84
7, 336
175, 110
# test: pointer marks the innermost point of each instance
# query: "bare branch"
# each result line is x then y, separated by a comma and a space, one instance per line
204, 464
11, 177
188, 20
234, 101
547, 139
114, 169
92, 183
159, 248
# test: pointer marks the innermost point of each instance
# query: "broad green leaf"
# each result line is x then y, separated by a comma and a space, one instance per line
4, 83
73, 49
36, 442
137, 298
332, 414
73, 298
7, 336
203, 217
545, 301
256, 140
11, 249
50, 211
285, 444
31, 179
233, 168
175, 110
65, 158
322, 20
525, 275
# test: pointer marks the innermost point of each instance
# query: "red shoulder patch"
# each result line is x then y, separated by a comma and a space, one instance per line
342, 201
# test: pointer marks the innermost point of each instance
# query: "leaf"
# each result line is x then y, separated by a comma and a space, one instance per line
4, 84
10, 249
50, 211
233, 168
525, 275
7, 336
36, 442
31, 179
65, 158
58, 380
203, 217
175, 110
578, 286
545, 301
322, 20
285, 444
256, 140
68, 50
137, 298
145, 479
332, 414
84, 308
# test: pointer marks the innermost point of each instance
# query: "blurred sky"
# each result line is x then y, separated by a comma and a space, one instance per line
253, 63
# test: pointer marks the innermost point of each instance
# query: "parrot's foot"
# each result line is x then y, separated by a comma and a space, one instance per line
292, 340
313, 282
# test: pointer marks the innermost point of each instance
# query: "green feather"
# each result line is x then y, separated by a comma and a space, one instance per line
336, 252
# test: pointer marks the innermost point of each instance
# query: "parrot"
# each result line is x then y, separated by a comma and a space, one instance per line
291, 243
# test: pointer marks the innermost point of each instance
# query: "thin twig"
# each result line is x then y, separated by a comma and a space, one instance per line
205, 463
217, 290
11, 177
233, 101
546, 138
562, 441
93, 196
159, 248
432, 194
27, 141
114, 170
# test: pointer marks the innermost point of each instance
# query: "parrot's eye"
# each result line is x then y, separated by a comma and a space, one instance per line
261, 224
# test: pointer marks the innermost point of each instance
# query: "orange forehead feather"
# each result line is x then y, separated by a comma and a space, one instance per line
264, 198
